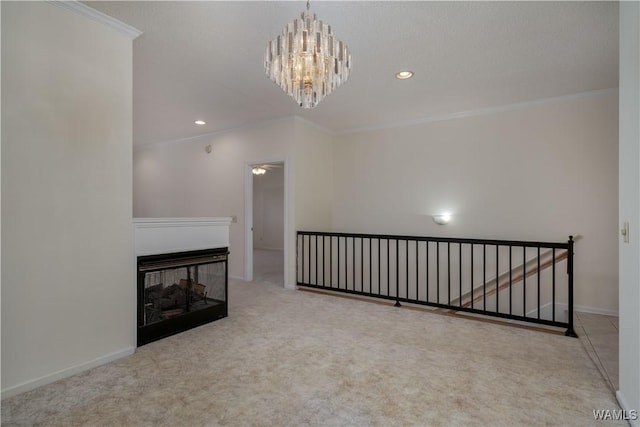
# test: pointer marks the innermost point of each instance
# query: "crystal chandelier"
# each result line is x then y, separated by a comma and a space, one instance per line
307, 61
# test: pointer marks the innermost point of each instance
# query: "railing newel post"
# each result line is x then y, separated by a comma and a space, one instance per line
570, 331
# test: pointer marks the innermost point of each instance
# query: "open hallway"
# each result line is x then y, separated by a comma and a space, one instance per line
268, 266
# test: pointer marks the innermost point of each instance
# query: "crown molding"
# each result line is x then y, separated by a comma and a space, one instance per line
91, 13
424, 120
143, 222
239, 128
485, 111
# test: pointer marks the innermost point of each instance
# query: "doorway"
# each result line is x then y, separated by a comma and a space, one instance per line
267, 246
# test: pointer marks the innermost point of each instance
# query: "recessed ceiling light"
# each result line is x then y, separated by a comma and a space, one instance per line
403, 75
200, 122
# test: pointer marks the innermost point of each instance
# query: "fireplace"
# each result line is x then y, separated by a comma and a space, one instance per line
182, 274
179, 291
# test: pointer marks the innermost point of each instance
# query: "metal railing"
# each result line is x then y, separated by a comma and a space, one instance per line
515, 280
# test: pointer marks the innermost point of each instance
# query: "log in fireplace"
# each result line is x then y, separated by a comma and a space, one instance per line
179, 291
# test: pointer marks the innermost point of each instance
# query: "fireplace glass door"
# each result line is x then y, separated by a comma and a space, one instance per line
180, 291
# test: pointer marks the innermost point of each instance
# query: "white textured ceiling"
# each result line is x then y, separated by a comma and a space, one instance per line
204, 60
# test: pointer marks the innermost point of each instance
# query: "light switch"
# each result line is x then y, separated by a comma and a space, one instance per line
625, 232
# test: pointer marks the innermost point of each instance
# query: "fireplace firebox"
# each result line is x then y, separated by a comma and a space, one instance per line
179, 291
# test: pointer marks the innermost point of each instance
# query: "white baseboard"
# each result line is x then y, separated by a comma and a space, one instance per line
561, 306
561, 311
546, 312
595, 310
628, 410
64, 373
237, 278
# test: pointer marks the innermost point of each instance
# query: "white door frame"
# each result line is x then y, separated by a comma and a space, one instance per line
248, 217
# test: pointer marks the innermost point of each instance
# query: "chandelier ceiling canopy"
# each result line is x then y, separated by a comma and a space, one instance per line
307, 61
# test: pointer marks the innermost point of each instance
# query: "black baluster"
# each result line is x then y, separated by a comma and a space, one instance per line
497, 277
538, 282
553, 284
484, 277
460, 274
397, 304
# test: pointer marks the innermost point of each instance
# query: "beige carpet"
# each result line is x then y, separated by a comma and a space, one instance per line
292, 358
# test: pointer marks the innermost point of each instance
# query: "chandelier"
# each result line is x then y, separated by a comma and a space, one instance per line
307, 61
258, 170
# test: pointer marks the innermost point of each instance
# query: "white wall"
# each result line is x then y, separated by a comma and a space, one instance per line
68, 290
629, 181
268, 209
314, 177
180, 179
313, 184
537, 173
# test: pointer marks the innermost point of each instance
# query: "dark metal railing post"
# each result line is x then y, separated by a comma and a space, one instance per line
370, 265
570, 332
438, 272
379, 274
460, 274
324, 274
338, 264
510, 281
346, 262
309, 257
553, 285
362, 264
331, 261
397, 304
417, 269
497, 277
448, 272
426, 273
473, 293
353, 263
406, 268
524, 281
388, 268
538, 274
484, 276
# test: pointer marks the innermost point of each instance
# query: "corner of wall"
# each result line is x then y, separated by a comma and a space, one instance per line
629, 206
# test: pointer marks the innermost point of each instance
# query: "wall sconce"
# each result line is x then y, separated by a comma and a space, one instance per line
442, 219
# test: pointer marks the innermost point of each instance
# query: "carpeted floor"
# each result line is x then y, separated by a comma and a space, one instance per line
293, 358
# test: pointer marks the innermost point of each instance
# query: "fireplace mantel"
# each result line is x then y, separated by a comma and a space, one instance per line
155, 236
